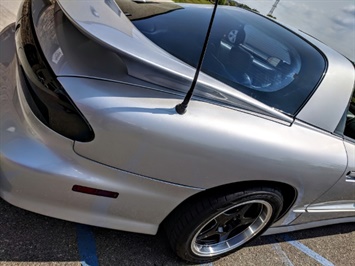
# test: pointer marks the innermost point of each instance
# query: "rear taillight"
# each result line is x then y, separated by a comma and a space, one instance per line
45, 95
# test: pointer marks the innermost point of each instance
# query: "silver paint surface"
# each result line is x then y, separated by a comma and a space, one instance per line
39, 169
153, 157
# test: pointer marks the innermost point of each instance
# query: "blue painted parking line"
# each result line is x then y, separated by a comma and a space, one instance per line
307, 251
86, 245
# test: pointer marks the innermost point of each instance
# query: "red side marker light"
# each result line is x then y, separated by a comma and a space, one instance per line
95, 191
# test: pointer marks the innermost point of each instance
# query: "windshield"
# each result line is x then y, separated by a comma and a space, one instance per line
246, 51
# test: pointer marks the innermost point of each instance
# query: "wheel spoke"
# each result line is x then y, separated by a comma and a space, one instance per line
223, 218
243, 210
219, 229
208, 233
245, 218
223, 236
246, 221
217, 234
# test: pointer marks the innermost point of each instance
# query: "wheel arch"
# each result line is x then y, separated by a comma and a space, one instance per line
288, 192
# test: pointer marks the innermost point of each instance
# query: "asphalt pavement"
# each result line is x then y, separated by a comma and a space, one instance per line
31, 239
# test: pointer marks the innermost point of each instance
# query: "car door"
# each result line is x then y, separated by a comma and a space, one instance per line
350, 173
339, 200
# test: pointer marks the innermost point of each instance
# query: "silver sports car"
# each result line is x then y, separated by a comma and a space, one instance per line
216, 124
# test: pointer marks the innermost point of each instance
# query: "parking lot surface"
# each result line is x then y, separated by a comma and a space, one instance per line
31, 239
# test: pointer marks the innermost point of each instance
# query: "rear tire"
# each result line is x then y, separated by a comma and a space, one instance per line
217, 225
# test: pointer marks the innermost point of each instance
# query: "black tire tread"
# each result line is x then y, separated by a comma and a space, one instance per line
187, 215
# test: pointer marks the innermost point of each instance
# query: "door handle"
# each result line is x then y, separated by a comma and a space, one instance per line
350, 177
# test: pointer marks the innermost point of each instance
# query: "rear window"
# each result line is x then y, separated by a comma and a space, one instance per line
246, 51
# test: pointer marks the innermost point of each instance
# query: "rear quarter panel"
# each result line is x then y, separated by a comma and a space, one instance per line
138, 130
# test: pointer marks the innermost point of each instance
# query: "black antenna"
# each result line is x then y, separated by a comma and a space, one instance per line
181, 107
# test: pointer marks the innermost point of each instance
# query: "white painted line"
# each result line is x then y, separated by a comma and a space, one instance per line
285, 260
308, 251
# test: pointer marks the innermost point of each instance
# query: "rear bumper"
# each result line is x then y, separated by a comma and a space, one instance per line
39, 169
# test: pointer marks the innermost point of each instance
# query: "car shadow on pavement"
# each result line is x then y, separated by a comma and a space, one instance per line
318, 232
30, 237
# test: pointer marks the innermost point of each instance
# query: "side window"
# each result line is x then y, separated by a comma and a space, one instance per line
350, 119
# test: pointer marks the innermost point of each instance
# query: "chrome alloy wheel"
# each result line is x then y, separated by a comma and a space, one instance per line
231, 228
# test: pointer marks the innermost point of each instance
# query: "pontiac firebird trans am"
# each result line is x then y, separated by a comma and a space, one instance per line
215, 124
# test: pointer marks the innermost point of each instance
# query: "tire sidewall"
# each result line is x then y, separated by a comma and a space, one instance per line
221, 203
